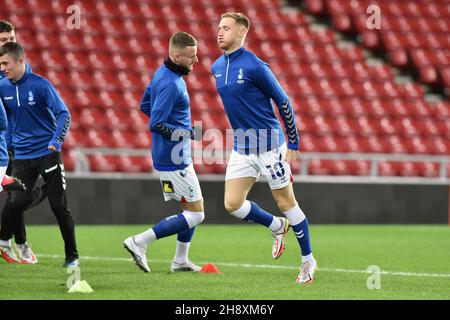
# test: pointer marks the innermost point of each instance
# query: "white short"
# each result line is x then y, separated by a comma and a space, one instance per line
181, 185
271, 165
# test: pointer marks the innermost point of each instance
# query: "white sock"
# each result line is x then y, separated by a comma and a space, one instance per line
145, 237
243, 211
181, 252
295, 215
193, 218
6, 243
309, 258
275, 225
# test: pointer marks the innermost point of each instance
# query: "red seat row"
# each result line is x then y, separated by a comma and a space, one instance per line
363, 168
130, 164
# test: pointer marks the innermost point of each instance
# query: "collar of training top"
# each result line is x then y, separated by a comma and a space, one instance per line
176, 68
234, 53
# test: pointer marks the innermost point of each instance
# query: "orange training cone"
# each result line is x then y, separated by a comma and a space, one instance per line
210, 268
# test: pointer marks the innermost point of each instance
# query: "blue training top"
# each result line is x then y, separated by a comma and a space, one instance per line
8, 133
39, 116
166, 102
246, 85
4, 159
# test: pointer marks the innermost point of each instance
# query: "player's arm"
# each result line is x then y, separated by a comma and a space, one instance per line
9, 132
162, 108
146, 101
59, 110
3, 118
269, 84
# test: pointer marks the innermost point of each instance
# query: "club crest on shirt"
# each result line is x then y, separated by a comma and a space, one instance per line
240, 76
31, 98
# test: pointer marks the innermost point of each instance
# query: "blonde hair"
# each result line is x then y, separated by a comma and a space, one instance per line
240, 18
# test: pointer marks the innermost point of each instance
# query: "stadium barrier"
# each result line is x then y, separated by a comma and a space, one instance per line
136, 198
82, 167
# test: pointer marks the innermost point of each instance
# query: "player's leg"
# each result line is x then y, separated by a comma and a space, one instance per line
52, 171
25, 254
287, 203
182, 186
19, 231
181, 260
39, 193
12, 214
6, 249
241, 174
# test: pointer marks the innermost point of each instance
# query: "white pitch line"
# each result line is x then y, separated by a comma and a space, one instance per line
267, 266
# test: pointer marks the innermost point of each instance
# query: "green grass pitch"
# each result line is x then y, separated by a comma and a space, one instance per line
414, 263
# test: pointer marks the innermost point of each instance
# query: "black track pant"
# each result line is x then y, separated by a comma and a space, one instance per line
51, 168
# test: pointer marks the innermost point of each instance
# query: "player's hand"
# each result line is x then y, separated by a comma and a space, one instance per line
292, 155
53, 148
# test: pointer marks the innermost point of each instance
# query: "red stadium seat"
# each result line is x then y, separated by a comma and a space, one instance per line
101, 163
342, 22
94, 42
99, 139
429, 169
388, 168
77, 138
100, 60
319, 167
340, 168
53, 59
129, 164
360, 168
69, 160
410, 169
316, 6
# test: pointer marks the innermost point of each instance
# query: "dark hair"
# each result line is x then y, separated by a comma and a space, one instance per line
13, 49
6, 26
182, 40
238, 17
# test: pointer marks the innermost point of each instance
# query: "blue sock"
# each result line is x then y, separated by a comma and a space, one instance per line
258, 215
302, 233
186, 236
170, 225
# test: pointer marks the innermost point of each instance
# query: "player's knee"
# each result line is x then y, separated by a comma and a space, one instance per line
60, 210
20, 201
286, 206
286, 203
232, 205
193, 218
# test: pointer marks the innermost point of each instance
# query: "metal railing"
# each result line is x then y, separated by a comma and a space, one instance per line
82, 167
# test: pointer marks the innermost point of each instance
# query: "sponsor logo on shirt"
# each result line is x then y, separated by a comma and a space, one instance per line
167, 186
8, 98
218, 75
